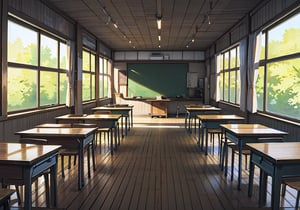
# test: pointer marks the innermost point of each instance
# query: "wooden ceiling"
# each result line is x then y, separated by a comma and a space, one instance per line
182, 20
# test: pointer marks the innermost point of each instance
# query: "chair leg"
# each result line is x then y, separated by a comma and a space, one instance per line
297, 200
232, 164
47, 189
93, 156
18, 194
88, 159
62, 166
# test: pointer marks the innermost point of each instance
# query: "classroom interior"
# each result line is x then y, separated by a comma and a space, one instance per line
160, 61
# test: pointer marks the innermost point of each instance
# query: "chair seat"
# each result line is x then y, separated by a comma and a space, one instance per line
5, 197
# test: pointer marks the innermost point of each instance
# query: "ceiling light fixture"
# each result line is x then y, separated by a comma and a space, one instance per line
159, 37
158, 20
115, 25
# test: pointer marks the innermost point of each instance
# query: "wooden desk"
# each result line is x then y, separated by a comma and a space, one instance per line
159, 107
213, 122
276, 160
102, 120
74, 138
193, 110
242, 134
125, 110
23, 162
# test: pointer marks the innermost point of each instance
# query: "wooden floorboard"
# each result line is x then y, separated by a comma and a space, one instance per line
157, 166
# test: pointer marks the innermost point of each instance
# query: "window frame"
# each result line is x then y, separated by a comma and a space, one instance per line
265, 62
38, 68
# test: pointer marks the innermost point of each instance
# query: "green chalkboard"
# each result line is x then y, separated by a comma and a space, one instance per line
155, 79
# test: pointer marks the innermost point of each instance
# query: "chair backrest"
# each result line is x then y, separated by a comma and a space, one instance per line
33, 141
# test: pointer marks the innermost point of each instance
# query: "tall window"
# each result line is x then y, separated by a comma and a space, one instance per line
104, 78
88, 75
36, 75
229, 75
278, 83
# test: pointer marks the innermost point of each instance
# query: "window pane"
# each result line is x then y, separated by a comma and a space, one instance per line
93, 87
101, 86
63, 56
48, 88
93, 63
233, 58
49, 52
86, 82
260, 88
283, 88
101, 71
263, 47
63, 87
105, 88
232, 86
21, 89
226, 86
238, 87
283, 40
226, 60
221, 86
85, 61
22, 44
105, 66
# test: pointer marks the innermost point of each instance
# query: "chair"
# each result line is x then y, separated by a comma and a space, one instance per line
45, 174
5, 197
235, 150
246, 152
212, 133
293, 182
74, 152
102, 129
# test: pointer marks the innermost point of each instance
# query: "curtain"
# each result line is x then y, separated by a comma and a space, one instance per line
253, 64
70, 73
243, 73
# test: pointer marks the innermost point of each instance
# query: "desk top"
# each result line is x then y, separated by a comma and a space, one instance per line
62, 132
25, 154
281, 151
89, 117
218, 117
202, 108
113, 108
252, 129
242, 126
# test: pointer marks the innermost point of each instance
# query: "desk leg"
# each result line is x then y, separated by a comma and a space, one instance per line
262, 188
126, 127
251, 177
240, 145
199, 132
131, 113
80, 165
122, 126
276, 183
224, 157
206, 141
53, 184
112, 140
28, 189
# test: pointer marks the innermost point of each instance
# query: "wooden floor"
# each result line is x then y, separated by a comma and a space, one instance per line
157, 166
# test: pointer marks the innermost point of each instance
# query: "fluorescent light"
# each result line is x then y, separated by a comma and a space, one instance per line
159, 37
158, 23
115, 25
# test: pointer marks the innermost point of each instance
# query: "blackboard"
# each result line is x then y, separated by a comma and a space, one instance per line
157, 79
